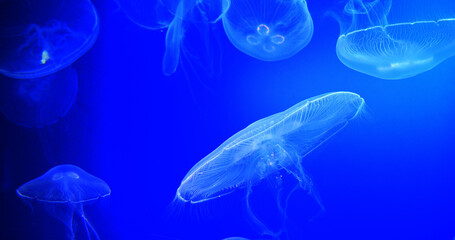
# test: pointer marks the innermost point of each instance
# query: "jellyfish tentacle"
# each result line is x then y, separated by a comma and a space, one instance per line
255, 220
174, 38
89, 227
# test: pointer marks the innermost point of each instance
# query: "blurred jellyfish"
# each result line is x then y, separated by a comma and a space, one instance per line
63, 191
268, 146
40, 37
38, 102
150, 14
399, 40
269, 30
192, 19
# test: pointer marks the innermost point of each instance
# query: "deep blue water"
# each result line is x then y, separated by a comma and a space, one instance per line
388, 175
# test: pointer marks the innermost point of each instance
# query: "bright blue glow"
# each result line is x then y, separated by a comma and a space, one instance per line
268, 30
63, 191
275, 143
385, 177
380, 46
38, 102
38, 40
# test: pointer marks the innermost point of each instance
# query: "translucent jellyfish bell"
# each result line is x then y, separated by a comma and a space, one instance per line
275, 143
40, 37
269, 30
150, 14
63, 191
399, 39
38, 102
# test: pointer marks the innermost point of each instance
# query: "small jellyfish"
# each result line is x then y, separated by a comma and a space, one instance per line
38, 102
393, 41
63, 191
41, 37
191, 29
150, 14
268, 30
267, 147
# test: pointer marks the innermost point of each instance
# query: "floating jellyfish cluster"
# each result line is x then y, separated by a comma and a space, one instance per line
39, 85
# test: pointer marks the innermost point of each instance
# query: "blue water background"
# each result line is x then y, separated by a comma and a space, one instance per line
387, 175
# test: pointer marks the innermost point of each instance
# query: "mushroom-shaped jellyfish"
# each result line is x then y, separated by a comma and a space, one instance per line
269, 30
38, 102
150, 14
193, 22
396, 40
40, 37
63, 191
266, 148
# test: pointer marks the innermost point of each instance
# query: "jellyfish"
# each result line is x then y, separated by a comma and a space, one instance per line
41, 37
275, 144
268, 30
193, 22
63, 191
150, 14
38, 102
399, 40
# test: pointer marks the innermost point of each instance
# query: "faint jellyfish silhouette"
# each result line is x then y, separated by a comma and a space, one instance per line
63, 191
235, 238
40, 37
38, 102
399, 40
360, 7
268, 146
269, 30
199, 16
150, 14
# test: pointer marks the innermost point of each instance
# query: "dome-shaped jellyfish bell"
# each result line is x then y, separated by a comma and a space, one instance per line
268, 30
62, 192
38, 102
40, 37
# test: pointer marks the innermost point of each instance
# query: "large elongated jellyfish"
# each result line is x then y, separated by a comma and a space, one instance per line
63, 191
150, 14
40, 37
269, 30
268, 146
192, 19
38, 102
399, 39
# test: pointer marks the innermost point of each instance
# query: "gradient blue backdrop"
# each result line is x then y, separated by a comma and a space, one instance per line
389, 175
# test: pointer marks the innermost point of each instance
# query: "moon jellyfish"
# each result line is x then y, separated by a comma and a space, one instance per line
63, 191
150, 14
38, 102
397, 40
269, 30
191, 18
40, 37
267, 147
